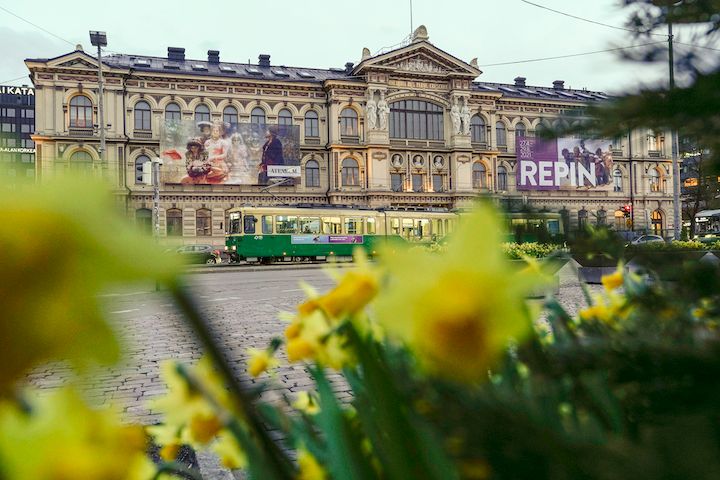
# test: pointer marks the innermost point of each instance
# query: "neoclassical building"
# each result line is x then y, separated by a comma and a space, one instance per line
408, 128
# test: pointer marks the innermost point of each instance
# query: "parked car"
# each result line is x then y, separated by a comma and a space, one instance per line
647, 239
199, 254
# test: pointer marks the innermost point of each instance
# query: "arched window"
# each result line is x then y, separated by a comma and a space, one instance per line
501, 178
479, 175
81, 164
81, 113
520, 130
312, 127
477, 129
656, 219
500, 134
312, 174
172, 112
139, 162
582, 219
348, 123
617, 180
350, 173
203, 222
143, 219
142, 116
230, 116
416, 119
202, 113
285, 118
174, 222
257, 116
601, 217
656, 180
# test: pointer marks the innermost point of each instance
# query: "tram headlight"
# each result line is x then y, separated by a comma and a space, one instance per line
234, 247
226, 248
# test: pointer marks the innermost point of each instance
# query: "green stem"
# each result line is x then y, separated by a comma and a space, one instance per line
177, 469
280, 464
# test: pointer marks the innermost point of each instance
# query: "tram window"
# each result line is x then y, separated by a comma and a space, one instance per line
285, 224
437, 227
371, 230
249, 224
422, 228
267, 225
353, 226
395, 226
332, 225
407, 227
309, 225
553, 227
234, 223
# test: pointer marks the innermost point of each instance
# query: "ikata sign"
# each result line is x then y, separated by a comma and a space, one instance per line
17, 90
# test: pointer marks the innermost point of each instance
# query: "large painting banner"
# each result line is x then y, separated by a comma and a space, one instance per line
563, 164
219, 153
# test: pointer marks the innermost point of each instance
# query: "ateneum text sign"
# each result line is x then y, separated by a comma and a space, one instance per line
565, 163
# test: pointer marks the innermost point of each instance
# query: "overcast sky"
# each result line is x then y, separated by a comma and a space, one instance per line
328, 33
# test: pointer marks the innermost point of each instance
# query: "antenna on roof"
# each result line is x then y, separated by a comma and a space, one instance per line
411, 18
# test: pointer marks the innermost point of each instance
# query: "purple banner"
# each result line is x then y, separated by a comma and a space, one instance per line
530, 152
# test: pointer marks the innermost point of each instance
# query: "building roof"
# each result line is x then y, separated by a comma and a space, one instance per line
144, 63
225, 69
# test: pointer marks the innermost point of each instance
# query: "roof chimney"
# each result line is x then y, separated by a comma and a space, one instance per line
349, 66
264, 60
176, 54
520, 81
213, 56
559, 84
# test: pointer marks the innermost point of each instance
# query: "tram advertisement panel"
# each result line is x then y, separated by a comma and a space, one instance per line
325, 239
563, 164
219, 153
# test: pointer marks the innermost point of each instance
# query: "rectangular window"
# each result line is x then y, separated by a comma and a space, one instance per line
437, 228
408, 228
332, 225
311, 127
26, 158
438, 184
28, 113
267, 225
371, 227
234, 222
309, 225
27, 143
422, 228
353, 226
8, 112
8, 127
285, 224
417, 182
395, 226
249, 224
25, 128
396, 182
11, 142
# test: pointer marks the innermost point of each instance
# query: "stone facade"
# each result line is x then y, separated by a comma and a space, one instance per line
479, 121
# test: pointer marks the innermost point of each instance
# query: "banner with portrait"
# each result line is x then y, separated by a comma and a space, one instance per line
204, 152
563, 164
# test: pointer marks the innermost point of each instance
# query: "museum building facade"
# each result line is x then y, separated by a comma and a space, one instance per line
408, 128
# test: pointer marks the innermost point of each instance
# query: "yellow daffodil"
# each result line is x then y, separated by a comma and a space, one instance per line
260, 361
459, 314
229, 451
610, 309
306, 403
310, 468
614, 280
62, 244
62, 438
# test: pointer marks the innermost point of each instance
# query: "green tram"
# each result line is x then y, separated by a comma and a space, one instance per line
543, 227
267, 234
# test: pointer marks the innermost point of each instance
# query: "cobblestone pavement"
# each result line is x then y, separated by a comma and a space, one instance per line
243, 307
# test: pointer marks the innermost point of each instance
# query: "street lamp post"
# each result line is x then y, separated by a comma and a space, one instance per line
99, 40
674, 140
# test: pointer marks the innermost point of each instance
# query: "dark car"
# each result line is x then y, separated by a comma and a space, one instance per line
199, 254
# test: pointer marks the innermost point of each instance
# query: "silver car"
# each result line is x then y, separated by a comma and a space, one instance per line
647, 239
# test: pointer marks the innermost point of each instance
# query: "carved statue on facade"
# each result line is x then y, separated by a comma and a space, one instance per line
455, 116
371, 110
382, 110
465, 116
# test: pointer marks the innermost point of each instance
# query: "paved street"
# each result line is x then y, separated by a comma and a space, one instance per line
243, 306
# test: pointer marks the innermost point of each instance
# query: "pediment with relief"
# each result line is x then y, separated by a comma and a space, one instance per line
419, 57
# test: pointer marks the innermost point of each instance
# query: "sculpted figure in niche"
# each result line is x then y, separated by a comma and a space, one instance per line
383, 109
465, 115
455, 117
371, 111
